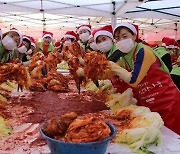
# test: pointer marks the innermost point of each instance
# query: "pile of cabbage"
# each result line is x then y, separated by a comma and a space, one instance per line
63, 65
145, 128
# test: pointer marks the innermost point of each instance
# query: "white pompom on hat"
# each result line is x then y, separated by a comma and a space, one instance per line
33, 42
106, 30
19, 33
127, 25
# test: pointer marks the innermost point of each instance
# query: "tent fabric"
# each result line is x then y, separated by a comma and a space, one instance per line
155, 18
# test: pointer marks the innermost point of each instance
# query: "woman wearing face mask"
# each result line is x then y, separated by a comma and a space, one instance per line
46, 45
147, 75
70, 37
25, 50
10, 41
92, 44
104, 40
84, 31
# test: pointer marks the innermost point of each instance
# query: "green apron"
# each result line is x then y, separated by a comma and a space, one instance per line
50, 49
130, 60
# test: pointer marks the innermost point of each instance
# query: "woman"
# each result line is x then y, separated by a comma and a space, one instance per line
10, 41
70, 37
25, 50
147, 75
103, 37
84, 31
46, 45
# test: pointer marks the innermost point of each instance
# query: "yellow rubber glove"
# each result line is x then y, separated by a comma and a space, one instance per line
121, 72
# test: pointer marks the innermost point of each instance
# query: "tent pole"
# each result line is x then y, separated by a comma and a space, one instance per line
113, 21
43, 20
113, 18
175, 30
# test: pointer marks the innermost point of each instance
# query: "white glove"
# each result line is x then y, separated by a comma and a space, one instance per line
80, 72
26, 63
121, 72
81, 60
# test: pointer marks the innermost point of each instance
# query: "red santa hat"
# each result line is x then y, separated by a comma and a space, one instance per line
164, 41
57, 44
19, 33
168, 42
130, 26
27, 37
71, 34
137, 34
47, 34
106, 30
33, 42
0, 33
88, 27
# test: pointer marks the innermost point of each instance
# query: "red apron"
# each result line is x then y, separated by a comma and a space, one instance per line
119, 84
157, 92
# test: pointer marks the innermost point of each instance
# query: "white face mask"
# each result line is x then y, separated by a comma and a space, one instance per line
9, 43
84, 37
125, 45
67, 42
22, 49
29, 52
93, 46
105, 46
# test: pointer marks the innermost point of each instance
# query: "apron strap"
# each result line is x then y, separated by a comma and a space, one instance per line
127, 66
134, 54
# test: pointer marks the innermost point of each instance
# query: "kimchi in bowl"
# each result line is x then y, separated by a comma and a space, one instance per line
61, 147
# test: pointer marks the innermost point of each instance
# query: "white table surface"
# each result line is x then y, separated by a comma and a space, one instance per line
170, 145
